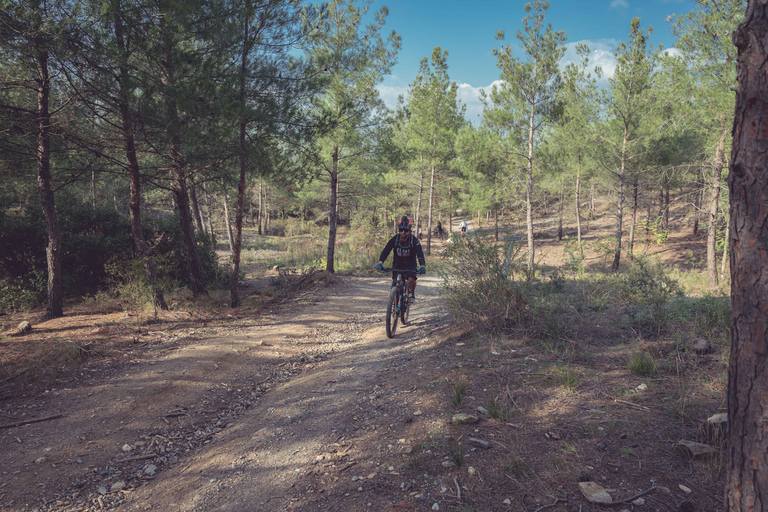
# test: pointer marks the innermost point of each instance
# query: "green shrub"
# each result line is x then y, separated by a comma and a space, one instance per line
646, 290
642, 364
477, 292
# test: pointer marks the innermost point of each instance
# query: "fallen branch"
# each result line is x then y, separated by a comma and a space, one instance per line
638, 406
557, 500
629, 500
27, 422
349, 465
458, 489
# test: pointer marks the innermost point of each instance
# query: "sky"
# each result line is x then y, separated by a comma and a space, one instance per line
467, 29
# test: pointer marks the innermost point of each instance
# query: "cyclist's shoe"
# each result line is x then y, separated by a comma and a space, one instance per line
411, 296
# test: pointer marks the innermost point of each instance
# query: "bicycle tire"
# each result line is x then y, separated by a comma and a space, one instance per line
392, 312
405, 309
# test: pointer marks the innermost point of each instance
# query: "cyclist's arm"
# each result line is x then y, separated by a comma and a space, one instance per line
420, 255
387, 249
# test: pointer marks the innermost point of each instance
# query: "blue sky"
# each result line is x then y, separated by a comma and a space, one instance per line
467, 30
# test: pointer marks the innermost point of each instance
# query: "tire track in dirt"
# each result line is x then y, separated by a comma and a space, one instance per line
273, 457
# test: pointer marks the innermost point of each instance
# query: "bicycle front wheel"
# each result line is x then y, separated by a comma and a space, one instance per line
405, 307
392, 312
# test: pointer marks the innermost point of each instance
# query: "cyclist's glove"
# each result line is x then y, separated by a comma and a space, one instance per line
422, 271
379, 266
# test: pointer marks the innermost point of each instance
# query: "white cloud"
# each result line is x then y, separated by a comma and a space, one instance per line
619, 3
389, 94
600, 55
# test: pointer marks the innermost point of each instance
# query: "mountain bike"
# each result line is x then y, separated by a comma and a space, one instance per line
398, 305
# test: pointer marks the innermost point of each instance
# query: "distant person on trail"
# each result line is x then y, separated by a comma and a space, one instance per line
407, 250
419, 232
439, 230
463, 227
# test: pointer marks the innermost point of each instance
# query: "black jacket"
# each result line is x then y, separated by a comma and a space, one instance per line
405, 254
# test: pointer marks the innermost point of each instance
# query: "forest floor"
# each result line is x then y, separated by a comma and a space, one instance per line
302, 403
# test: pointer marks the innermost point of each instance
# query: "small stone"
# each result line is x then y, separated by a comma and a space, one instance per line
685, 489
642, 387
639, 502
391, 468
150, 469
417, 413
600, 446
40, 460
595, 493
355, 478
472, 471
694, 449
127, 447
507, 501
464, 418
435, 507
482, 410
102, 490
117, 486
371, 475
24, 327
448, 464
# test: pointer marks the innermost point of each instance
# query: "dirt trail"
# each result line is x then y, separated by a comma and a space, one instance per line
249, 421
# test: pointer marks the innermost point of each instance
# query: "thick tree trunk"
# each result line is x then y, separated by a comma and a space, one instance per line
178, 172
332, 210
747, 472
620, 204
134, 172
714, 207
631, 243
55, 305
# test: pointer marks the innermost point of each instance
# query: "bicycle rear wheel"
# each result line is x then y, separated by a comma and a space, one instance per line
392, 312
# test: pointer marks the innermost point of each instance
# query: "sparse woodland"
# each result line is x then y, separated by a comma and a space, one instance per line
152, 148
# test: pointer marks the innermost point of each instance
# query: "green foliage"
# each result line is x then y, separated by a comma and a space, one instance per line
646, 289
642, 364
498, 409
575, 256
459, 387
477, 291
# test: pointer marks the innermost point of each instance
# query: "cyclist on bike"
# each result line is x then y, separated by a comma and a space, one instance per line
463, 226
407, 250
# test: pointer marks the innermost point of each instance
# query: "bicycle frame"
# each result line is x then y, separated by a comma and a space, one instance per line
397, 306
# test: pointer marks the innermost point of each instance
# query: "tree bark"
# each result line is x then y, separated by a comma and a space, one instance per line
697, 201
134, 171
578, 204
209, 208
332, 211
421, 191
429, 214
714, 207
55, 304
227, 218
198, 216
178, 172
620, 203
529, 195
747, 470
560, 213
631, 242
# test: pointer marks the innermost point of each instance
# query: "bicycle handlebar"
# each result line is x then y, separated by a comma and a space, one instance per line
389, 269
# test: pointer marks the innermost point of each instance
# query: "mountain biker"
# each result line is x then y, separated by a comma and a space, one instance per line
463, 226
439, 230
407, 249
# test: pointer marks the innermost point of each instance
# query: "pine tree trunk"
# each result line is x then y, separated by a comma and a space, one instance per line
55, 304
178, 173
196, 207
209, 209
560, 213
746, 486
421, 190
429, 214
529, 196
261, 205
620, 203
332, 211
666, 209
631, 243
134, 171
724, 260
714, 207
578, 204
227, 217
697, 201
